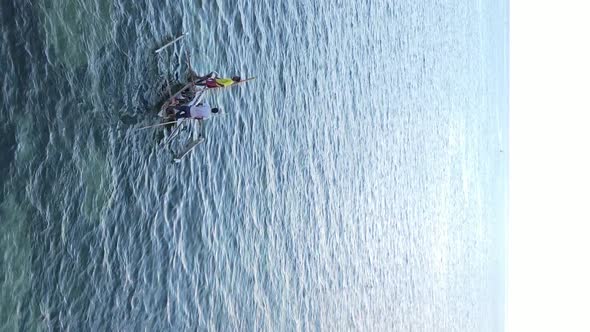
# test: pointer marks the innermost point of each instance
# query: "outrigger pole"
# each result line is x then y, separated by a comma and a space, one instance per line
172, 42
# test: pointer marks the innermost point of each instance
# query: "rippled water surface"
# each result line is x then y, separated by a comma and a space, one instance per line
359, 183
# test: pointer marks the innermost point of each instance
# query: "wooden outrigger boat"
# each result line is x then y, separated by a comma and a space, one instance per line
189, 94
184, 95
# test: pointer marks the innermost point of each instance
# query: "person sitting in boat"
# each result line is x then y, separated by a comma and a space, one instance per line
200, 111
212, 81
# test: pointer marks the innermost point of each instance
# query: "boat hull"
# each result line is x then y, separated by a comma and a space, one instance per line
181, 97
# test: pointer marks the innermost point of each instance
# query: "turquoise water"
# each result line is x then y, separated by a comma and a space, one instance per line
358, 183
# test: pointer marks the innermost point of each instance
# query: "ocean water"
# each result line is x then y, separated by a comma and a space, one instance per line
359, 183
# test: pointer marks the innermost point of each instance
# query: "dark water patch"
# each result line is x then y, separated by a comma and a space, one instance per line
20, 24
7, 154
